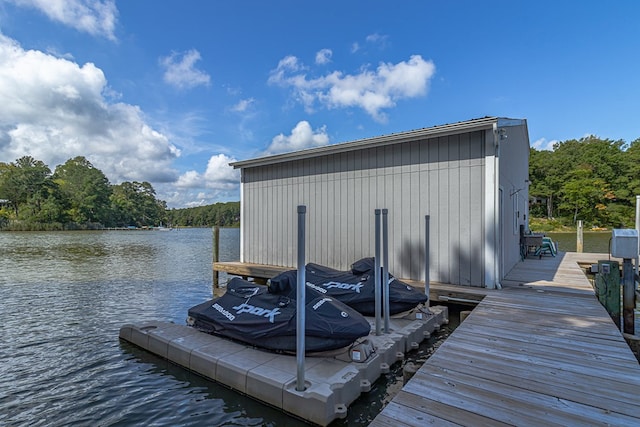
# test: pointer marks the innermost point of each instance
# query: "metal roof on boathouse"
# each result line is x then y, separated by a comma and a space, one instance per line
470, 177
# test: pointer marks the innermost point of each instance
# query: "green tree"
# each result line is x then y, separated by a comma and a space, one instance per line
631, 183
543, 183
135, 203
585, 195
589, 178
25, 183
87, 190
221, 214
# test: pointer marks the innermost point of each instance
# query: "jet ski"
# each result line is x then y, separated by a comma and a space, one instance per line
265, 317
355, 288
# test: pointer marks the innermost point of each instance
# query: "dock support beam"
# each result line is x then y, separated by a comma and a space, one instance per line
376, 269
301, 299
579, 237
427, 279
638, 230
385, 269
628, 296
607, 283
216, 257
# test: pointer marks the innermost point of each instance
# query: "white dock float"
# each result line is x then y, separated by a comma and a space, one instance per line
332, 381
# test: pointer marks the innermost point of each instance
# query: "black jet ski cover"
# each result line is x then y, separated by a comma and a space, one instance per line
356, 288
250, 313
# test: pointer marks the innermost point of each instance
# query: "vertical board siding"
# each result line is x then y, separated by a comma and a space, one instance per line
442, 177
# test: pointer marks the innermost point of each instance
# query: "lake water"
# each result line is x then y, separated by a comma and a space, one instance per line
592, 241
65, 296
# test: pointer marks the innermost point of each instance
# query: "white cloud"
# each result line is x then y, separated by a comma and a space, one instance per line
377, 39
243, 105
289, 64
180, 70
218, 175
96, 17
219, 181
54, 109
543, 144
302, 136
373, 91
323, 56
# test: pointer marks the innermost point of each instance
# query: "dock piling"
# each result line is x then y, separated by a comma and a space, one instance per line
628, 296
579, 237
301, 298
607, 284
426, 258
385, 269
638, 230
378, 281
216, 257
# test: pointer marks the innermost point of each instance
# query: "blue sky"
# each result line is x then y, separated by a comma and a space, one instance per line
170, 92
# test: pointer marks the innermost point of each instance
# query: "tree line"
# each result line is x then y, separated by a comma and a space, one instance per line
221, 214
591, 179
77, 195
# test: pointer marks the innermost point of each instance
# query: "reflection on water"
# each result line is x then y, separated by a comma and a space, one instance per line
65, 296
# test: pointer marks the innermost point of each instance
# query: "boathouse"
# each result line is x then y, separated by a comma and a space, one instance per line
470, 177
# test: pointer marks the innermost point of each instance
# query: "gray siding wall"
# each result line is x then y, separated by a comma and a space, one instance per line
443, 177
514, 172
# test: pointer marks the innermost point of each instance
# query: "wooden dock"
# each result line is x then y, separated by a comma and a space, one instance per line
542, 351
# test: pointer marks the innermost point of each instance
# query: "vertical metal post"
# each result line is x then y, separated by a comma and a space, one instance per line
385, 269
426, 258
376, 269
301, 299
628, 296
579, 237
216, 257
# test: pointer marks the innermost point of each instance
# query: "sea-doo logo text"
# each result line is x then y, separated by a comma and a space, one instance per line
257, 311
224, 312
319, 303
316, 287
346, 286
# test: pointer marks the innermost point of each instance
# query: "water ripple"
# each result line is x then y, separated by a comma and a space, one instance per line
65, 297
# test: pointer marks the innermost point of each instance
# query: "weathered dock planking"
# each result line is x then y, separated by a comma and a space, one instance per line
542, 351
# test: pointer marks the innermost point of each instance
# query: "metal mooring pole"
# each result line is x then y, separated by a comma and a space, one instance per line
385, 269
376, 269
426, 257
301, 299
216, 258
628, 291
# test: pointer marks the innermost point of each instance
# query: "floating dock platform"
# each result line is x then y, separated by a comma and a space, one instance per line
332, 380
